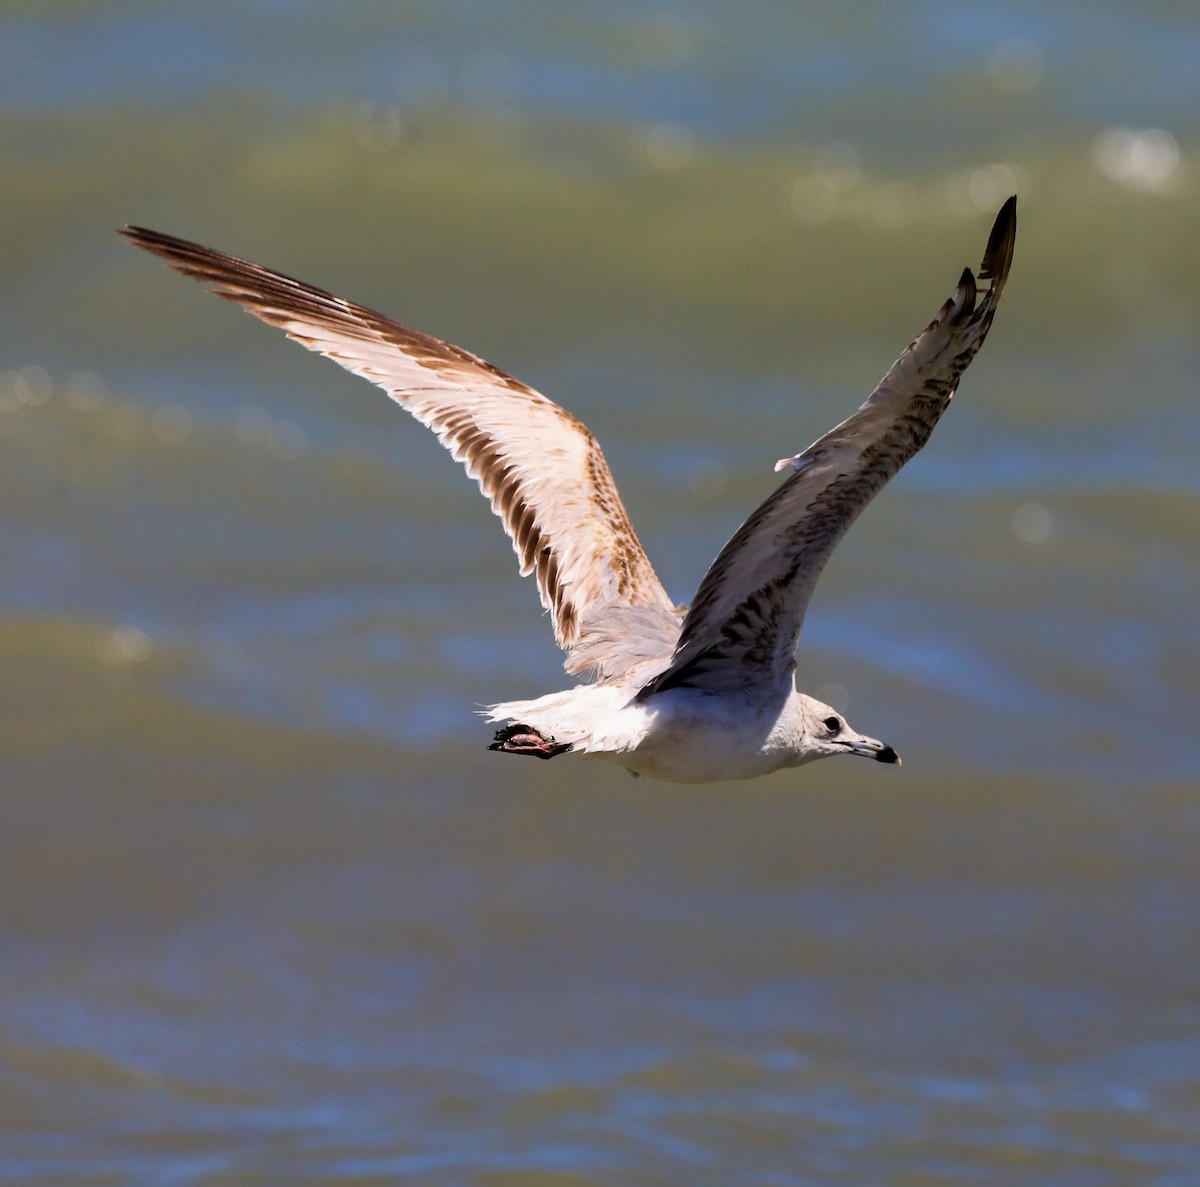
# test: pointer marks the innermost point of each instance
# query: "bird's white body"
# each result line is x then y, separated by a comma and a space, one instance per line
690, 695
685, 735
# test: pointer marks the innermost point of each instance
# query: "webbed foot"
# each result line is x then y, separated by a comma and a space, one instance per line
523, 739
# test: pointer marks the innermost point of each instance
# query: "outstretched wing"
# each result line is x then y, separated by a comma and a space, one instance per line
742, 627
542, 469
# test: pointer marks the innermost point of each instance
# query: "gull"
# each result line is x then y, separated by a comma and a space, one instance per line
684, 694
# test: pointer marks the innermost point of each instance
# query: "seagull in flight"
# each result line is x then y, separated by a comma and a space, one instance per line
685, 694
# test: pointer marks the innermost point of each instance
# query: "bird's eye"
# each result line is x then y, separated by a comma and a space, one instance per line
832, 724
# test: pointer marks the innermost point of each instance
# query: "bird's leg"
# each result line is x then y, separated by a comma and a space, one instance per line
523, 739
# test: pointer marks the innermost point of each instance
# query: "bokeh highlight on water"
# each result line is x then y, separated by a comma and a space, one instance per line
271, 911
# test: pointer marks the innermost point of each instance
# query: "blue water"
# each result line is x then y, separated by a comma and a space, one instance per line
717, 69
270, 913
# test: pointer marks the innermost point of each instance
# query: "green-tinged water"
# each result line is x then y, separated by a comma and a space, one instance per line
270, 912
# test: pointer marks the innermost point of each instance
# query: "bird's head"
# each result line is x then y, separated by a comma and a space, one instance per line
827, 732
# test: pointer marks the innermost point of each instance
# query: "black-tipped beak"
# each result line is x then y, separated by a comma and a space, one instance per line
869, 748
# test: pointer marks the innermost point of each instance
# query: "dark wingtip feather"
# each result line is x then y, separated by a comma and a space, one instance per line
151, 240
183, 254
962, 304
997, 256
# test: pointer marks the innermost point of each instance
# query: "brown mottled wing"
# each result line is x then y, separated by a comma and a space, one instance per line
541, 468
742, 627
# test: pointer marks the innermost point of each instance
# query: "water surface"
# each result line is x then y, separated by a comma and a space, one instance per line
272, 914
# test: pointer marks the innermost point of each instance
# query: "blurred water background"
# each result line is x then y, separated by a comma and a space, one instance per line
270, 913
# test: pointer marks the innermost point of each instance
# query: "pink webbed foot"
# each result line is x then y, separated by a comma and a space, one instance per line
523, 739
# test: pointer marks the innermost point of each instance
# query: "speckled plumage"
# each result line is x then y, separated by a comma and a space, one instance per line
687, 696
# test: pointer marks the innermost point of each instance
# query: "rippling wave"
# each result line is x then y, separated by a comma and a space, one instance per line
273, 913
